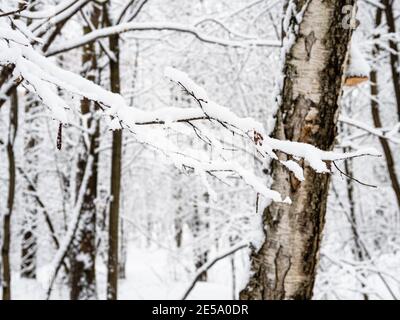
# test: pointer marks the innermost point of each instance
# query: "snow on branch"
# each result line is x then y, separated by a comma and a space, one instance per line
158, 26
49, 12
4, 13
314, 156
56, 15
379, 132
154, 127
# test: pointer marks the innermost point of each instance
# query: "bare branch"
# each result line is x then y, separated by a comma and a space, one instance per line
352, 178
10, 13
209, 264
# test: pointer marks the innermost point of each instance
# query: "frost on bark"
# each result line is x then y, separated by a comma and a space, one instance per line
285, 265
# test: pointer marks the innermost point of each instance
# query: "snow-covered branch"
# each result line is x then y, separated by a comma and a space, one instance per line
374, 131
4, 13
39, 73
158, 26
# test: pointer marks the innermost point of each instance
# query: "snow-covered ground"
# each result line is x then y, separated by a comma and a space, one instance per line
148, 276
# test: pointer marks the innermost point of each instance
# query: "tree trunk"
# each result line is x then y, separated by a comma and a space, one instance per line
358, 250
233, 271
83, 250
123, 253
178, 222
378, 122
5, 250
200, 225
394, 54
285, 265
29, 224
112, 267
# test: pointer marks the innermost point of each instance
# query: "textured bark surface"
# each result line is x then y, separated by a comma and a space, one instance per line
285, 265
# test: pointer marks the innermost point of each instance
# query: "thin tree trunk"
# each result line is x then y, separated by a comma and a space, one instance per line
178, 223
394, 54
378, 122
198, 225
285, 265
358, 249
113, 233
29, 226
83, 249
233, 271
5, 250
122, 259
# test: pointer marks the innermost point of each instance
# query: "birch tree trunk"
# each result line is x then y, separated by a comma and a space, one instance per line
285, 265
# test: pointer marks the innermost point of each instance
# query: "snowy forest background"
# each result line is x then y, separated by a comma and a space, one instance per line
174, 222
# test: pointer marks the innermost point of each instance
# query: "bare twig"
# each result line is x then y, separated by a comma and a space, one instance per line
209, 264
10, 13
352, 178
